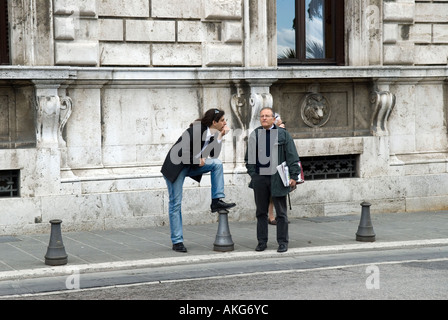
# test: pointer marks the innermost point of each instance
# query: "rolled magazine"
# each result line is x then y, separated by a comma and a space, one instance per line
283, 171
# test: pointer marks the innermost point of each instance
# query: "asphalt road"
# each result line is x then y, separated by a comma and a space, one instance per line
409, 274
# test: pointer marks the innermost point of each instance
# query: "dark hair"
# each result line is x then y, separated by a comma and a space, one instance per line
210, 116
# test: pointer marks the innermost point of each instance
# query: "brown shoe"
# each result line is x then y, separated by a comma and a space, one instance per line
273, 222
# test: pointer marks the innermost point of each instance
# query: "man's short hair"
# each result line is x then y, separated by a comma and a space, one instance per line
268, 108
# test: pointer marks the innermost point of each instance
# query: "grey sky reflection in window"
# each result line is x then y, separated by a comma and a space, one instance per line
286, 35
314, 29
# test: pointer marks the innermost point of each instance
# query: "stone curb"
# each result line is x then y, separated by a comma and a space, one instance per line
197, 259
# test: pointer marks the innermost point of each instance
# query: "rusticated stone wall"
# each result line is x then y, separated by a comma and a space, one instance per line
148, 33
415, 32
100, 89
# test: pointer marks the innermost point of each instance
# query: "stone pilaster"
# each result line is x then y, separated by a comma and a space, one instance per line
52, 114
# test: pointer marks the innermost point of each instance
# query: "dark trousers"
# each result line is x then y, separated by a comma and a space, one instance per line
262, 192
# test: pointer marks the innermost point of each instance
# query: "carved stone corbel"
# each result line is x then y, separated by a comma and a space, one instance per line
52, 116
383, 102
261, 100
257, 102
238, 105
66, 112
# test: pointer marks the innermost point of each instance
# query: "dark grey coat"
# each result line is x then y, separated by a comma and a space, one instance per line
284, 150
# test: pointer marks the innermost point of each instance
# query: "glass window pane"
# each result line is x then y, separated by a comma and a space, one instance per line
4, 45
314, 29
286, 33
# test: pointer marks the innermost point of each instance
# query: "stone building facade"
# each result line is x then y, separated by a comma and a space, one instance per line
93, 94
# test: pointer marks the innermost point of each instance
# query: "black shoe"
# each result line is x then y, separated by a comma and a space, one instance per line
179, 247
221, 205
261, 247
282, 248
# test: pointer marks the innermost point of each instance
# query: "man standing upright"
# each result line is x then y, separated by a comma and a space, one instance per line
268, 147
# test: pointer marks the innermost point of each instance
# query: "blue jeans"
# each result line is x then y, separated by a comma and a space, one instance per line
214, 166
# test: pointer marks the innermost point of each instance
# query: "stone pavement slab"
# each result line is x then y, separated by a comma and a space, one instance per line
23, 255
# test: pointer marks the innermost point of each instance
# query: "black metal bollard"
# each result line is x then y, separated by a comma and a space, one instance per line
223, 241
365, 229
56, 255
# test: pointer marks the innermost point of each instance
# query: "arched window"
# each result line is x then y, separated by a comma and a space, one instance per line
4, 33
310, 32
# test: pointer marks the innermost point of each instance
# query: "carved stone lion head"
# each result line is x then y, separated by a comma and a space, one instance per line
315, 110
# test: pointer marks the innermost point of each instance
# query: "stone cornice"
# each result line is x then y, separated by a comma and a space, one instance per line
166, 76
36, 73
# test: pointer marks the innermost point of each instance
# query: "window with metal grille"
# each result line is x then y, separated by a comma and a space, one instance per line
9, 183
330, 167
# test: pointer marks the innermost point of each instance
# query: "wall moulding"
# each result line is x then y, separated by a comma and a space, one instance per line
224, 74
316, 108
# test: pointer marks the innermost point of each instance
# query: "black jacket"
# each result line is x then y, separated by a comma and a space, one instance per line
184, 152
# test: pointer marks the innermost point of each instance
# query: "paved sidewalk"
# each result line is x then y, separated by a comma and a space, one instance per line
23, 256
